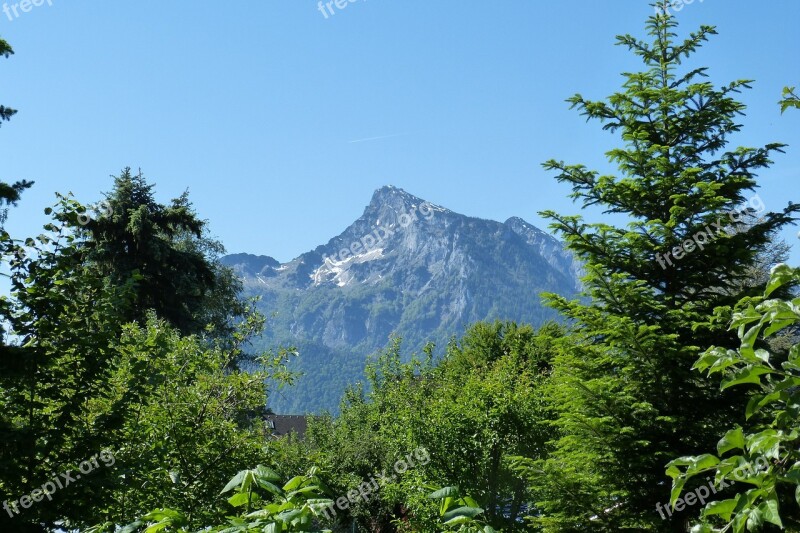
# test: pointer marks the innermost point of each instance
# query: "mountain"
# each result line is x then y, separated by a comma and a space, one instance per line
406, 267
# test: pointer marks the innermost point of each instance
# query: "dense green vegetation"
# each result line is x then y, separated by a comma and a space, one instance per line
627, 396
469, 270
131, 398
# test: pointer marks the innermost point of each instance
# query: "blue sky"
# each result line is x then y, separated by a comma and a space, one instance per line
252, 106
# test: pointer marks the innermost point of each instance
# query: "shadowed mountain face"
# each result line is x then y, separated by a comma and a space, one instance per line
406, 267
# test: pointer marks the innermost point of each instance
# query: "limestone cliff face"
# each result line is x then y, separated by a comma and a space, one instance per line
406, 267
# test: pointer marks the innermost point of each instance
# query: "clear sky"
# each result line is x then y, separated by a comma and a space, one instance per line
254, 106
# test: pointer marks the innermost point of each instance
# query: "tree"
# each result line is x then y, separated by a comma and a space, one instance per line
173, 410
164, 249
63, 321
482, 402
264, 504
489, 407
9, 192
790, 99
622, 384
187, 421
763, 454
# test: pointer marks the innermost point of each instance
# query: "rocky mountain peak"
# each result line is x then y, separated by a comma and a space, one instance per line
389, 194
390, 203
405, 267
529, 232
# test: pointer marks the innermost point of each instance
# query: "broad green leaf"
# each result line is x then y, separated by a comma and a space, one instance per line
733, 440
702, 463
744, 317
289, 516
686, 460
763, 355
766, 443
444, 492
781, 275
266, 485
769, 510
739, 523
469, 501
727, 465
318, 505
274, 527
459, 520
470, 512
776, 326
293, 483
748, 374
445, 505
673, 471
239, 499
260, 513
794, 353
755, 520
758, 401
265, 473
723, 508
793, 475
749, 339
677, 487
235, 481
164, 514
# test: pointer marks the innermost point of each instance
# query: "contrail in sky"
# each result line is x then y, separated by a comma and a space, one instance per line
376, 138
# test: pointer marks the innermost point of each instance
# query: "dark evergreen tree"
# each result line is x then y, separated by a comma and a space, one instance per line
628, 400
164, 249
80, 380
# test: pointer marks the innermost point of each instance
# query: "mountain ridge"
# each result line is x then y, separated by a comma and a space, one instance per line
406, 267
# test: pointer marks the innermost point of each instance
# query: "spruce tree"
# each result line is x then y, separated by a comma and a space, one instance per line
166, 251
627, 397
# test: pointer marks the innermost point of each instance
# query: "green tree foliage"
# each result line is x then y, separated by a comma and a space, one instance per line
481, 403
627, 399
165, 249
760, 461
6, 51
790, 99
490, 406
63, 321
189, 420
296, 506
9, 192
457, 512
173, 409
